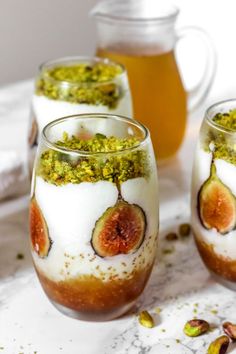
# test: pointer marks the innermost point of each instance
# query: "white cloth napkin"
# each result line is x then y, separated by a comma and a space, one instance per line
14, 117
13, 174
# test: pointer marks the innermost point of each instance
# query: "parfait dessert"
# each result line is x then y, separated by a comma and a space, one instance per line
94, 214
76, 85
214, 192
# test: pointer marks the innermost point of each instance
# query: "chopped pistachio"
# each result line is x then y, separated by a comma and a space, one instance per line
84, 72
158, 310
168, 250
146, 320
171, 236
226, 120
20, 256
221, 145
98, 143
196, 327
214, 312
184, 230
58, 168
90, 84
219, 345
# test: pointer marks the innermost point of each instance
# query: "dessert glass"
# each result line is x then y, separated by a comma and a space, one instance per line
214, 192
75, 85
94, 214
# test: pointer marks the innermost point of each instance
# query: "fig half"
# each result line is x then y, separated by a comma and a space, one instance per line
120, 230
216, 204
40, 239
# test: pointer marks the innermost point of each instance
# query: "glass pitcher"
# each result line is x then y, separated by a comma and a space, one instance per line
141, 35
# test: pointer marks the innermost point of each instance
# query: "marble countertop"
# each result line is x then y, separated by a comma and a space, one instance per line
179, 288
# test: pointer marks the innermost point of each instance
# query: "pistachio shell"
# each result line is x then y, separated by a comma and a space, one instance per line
219, 345
230, 329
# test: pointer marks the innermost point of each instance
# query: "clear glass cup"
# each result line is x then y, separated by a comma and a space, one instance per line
94, 214
214, 192
74, 85
142, 36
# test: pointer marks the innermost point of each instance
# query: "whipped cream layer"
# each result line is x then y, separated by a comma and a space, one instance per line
71, 212
46, 110
224, 245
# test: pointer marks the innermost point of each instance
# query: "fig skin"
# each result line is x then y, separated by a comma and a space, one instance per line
40, 240
120, 230
216, 205
32, 138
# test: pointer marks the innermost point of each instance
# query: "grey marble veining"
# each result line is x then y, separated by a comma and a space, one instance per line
179, 288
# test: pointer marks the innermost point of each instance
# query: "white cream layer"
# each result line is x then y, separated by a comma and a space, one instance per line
71, 212
224, 245
46, 110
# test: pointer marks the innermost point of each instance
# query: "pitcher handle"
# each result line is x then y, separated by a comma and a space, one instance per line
198, 94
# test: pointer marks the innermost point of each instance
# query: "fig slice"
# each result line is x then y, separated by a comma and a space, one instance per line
40, 239
120, 230
216, 204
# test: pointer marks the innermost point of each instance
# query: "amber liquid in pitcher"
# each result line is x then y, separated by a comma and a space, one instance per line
159, 98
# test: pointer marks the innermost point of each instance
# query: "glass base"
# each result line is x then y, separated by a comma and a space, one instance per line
227, 283
93, 316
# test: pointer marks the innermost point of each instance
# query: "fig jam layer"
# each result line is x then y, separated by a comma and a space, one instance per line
223, 266
88, 293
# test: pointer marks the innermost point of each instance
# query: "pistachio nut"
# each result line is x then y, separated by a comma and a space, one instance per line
184, 230
171, 236
196, 327
219, 345
146, 320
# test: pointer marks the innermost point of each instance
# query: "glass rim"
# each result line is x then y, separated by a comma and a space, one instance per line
95, 12
215, 125
116, 117
79, 59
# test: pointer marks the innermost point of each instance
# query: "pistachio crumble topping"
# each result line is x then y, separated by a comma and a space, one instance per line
81, 83
222, 145
226, 120
99, 143
61, 168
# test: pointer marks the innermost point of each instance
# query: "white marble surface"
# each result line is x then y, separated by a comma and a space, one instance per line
180, 285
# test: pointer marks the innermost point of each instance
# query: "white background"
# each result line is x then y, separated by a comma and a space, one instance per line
33, 31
